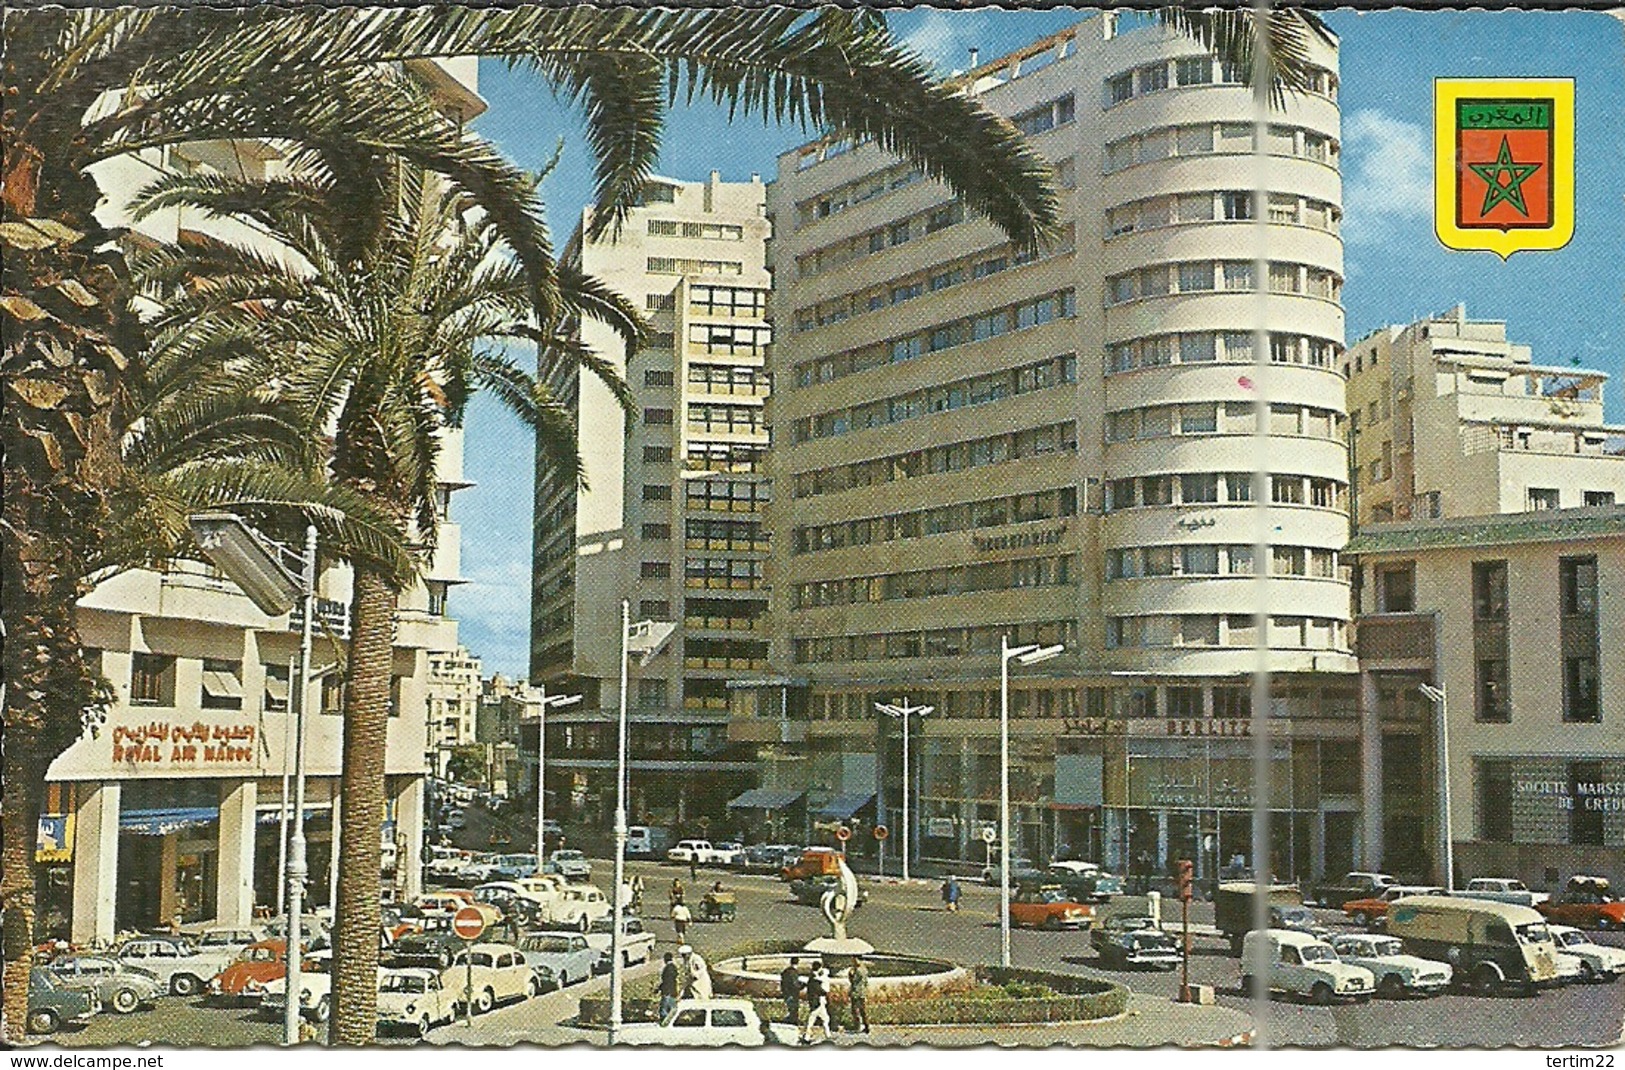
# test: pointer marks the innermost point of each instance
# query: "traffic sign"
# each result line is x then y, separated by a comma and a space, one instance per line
989, 835
881, 832
843, 834
468, 923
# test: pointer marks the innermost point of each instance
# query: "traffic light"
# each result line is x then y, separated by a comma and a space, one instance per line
1186, 871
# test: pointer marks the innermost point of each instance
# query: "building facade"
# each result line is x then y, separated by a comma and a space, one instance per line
454, 702
1062, 445
671, 519
173, 806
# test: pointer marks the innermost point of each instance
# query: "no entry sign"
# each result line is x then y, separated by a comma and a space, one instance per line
468, 923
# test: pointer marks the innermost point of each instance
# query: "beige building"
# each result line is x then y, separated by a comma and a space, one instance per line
172, 806
1447, 418
1520, 619
453, 702
971, 441
672, 517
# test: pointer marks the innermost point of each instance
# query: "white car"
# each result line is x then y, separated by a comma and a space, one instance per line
1595, 962
228, 941
491, 973
1302, 965
414, 999
1503, 890
637, 943
577, 907
709, 1023
559, 959
315, 990
729, 854
573, 865
440, 904
181, 968
1396, 973
697, 851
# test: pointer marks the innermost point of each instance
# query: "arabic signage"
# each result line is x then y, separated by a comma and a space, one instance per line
176, 744
1019, 540
1195, 523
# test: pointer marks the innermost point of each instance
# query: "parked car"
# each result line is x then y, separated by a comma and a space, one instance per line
434, 947
499, 973
700, 852
1489, 944
315, 990
573, 865
637, 942
414, 999
1134, 940
709, 1023
1503, 890
1085, 881
559, 959
1361, 884
810, 890
228, 940
769, 857
1046, 906
1301, 965
245, 979
179, 966
51, 1004
1233, 907
442, 904
1019, 868
401, 919
577, 907
1586, 903
1596, 962
813, 862
730, 854
1396, 973
456, 819
119, 985
315, 930
446, 862
644, 841
1372, 912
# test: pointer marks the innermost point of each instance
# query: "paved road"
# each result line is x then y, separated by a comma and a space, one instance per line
911, 918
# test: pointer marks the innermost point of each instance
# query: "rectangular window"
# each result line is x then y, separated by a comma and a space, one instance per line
1490, 590
1580, 690
1153, 79
1198, 419
1198, 487
1196, 277
1199, 560
657, 378
1196, 348
1396, 588
1286, 490
276, 688
1577, 578
655, 570
657, 532
656, 492
657, 417
1492, 691
1238, 275
1119, 89
152, 680
1495, 801
1237, 206
1542, 499
1196, 70
1599, 497
657, 455
652, 694
222, 684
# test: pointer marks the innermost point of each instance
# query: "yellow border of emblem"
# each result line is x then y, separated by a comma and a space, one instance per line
1446, 92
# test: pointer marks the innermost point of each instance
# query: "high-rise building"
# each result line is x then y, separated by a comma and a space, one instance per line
1449, 418
973, 441
453, 703
671, 517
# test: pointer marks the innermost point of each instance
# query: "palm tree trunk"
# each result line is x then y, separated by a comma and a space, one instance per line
366, 727
25, 786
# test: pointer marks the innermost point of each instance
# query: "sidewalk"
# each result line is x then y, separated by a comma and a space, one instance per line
1150, 1022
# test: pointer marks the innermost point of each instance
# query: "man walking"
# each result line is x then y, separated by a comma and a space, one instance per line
857, 979
818, 1004
790, 991
950, 894
680, 917
668, 987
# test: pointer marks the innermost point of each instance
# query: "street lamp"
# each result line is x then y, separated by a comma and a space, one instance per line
1031, 654
253, 563
903, 711
645, 639
548, 702
1436, 696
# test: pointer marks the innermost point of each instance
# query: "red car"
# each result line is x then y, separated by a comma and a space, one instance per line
245, 979
1048, 907
1372, 912
1586, 904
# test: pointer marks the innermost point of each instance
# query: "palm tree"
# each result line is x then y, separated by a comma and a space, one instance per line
375, 329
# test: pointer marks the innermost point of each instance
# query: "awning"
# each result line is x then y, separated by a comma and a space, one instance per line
764, 799
276, 688
844, 806
220, 684
161, 822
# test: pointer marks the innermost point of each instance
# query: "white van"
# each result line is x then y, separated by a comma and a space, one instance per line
642, 841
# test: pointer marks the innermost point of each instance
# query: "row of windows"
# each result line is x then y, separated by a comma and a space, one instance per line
1224, 418
1121, 703
954, 457
1209, 488
736, 457
672, 228
726, 419
1581, 690
1046, 116
940, 276
1207, 276
737, 534
927, 583
1196, 71
937, 643
1208, 206
730, 339
724, 573
728, 379
966, 516
898, 232
1208, 347
1207, 559
965, 393
857, 191
1205, 138
153, 683
726, 495
1034, 313
737, 302
1219, 630
669, 265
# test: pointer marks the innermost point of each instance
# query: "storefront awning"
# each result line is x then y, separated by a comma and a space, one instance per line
161, 822
844, 806
764, 799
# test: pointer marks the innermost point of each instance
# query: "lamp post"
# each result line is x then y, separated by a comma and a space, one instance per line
646, 640
903, 711
252, 562
548, 702
1031, 654
1436, 696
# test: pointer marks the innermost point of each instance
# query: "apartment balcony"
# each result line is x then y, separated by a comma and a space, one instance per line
1596, 441
1394, 637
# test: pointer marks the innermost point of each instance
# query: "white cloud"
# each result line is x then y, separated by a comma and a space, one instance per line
1387, 176
946, 39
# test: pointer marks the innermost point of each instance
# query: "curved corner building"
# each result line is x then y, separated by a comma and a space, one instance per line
972, 442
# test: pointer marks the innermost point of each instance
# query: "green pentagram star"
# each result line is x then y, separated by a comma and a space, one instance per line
1511, 190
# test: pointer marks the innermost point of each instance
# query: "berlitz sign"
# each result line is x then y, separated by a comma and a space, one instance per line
1019, 540
176, 744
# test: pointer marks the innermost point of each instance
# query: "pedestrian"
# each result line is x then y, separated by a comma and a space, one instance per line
699, 976
676, 894
680, 917
818, 1004
790, 991
857, 979
694, 867
668, 987
637, 893
950, 894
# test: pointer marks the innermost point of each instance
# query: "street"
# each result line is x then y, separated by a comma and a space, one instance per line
898, 917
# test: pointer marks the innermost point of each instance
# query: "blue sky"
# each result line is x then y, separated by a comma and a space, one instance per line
1567, 304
